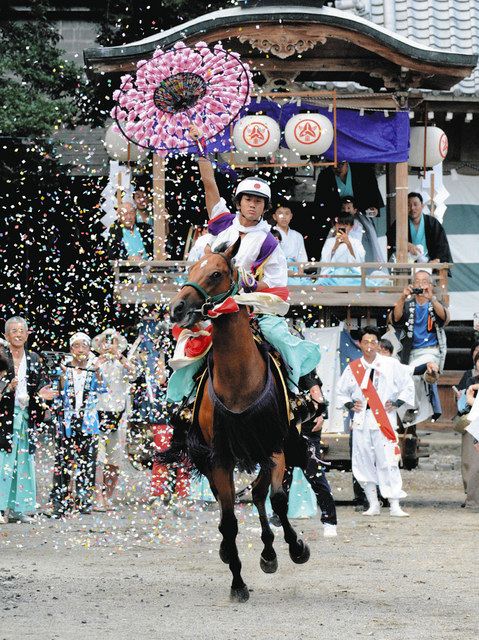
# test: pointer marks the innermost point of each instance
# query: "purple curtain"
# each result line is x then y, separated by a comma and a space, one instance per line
371, 137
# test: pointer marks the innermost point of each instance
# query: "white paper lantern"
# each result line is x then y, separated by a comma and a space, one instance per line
436, 146
257, 135
116, 146
309, 134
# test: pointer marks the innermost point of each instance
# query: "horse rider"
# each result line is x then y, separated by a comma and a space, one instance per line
262, 267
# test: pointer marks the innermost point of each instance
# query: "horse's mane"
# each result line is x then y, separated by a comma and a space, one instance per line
221, 249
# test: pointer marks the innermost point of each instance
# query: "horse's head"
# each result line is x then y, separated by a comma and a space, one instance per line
210, 281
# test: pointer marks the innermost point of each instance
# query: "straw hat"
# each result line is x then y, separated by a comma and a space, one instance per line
109, 334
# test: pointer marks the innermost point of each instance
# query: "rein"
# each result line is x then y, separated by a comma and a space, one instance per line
211, 301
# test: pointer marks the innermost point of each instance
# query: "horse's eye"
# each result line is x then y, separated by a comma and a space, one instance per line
216, 275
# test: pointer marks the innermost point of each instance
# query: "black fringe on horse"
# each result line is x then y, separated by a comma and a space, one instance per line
246, 439
243, 440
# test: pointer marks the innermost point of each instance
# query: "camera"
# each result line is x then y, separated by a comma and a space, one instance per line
417, 291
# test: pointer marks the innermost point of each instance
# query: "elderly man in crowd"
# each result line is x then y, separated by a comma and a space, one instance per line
427, 240
77, 429
420, 319
129, 239
20, 406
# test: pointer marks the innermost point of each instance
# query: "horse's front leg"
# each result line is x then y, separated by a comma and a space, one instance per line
268, 561
298, 550
223, 483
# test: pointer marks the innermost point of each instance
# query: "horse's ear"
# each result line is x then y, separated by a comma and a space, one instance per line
233, 249
208, 249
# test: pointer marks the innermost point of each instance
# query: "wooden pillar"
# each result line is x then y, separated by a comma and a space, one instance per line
159, 209
390, 194
401, 211
118, 191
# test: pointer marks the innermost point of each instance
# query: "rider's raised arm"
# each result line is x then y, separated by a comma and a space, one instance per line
207, 174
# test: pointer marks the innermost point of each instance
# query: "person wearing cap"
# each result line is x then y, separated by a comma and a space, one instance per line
21, 406
77, 428
117, 372
263, 266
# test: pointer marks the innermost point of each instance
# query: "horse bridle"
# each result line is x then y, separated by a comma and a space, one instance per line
209, 300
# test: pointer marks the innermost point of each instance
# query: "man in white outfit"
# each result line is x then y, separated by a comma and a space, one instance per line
292, 242
373, 387
342, 246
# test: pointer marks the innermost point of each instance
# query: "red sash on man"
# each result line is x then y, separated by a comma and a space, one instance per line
371, 396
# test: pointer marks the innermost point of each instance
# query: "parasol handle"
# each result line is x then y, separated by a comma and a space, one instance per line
199, 140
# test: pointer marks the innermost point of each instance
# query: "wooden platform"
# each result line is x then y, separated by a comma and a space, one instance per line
157, 282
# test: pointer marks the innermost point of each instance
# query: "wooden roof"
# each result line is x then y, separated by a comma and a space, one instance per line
304, 43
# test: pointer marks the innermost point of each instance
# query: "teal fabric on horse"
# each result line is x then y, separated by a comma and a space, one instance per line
301, 356
17, 470
182, 382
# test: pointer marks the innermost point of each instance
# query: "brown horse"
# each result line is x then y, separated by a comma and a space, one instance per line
237, 395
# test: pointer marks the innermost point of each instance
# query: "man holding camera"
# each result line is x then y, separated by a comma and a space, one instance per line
420, 318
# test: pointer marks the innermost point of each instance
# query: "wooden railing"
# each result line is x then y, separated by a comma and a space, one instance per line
157, 282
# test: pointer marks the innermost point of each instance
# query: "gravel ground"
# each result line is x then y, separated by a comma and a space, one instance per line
129, 575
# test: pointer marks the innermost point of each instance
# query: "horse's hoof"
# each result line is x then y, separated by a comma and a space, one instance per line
302, 556
239, 595
224, 555
268, 566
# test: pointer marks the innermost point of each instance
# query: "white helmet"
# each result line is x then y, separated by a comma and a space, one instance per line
255, 187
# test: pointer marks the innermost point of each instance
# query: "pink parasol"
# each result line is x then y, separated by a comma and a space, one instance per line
178, 88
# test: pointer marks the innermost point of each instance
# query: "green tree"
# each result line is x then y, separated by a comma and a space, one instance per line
38, 89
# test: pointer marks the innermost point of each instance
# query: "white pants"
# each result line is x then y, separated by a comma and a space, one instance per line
374, 460
424, 410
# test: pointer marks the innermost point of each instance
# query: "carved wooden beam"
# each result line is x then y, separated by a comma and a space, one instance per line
283, 46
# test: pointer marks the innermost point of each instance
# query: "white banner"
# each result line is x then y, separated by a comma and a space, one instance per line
329, 372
